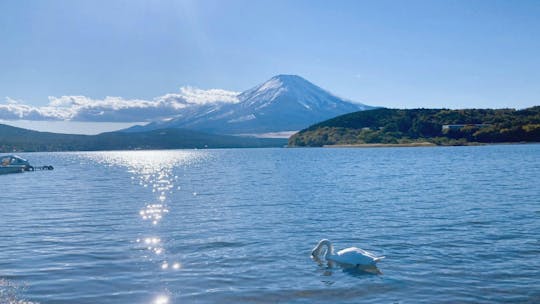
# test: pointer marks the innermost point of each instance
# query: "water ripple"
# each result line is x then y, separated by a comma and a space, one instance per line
457, 225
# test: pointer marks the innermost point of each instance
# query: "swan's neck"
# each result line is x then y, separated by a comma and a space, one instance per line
329, 249
321, 245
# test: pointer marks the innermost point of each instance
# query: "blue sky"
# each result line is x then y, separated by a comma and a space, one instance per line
402, 54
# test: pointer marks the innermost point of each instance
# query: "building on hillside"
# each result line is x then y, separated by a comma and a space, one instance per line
459, 126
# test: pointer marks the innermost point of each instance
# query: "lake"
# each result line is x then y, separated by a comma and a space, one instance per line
456, 224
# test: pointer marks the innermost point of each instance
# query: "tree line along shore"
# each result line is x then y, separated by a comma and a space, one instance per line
401, 127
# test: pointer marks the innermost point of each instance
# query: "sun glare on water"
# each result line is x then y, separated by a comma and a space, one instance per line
161, 300
153, 170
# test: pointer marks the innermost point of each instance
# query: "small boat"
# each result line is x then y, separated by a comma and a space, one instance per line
14, 164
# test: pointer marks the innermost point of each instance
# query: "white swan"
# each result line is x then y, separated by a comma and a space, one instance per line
349, 256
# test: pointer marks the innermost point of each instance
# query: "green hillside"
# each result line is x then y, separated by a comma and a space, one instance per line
438, 126
17, 139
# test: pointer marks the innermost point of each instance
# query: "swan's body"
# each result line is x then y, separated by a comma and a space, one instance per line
349, 256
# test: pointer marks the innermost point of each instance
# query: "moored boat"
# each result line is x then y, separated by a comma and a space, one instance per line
14, 164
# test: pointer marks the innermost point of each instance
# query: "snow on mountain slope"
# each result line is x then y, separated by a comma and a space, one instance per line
293, 87
283, 103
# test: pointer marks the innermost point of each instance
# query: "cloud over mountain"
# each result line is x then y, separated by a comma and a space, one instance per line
115, 109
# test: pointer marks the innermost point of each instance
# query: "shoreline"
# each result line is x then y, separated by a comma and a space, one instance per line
418, 144
425, 144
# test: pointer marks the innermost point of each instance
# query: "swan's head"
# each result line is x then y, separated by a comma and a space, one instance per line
321, 246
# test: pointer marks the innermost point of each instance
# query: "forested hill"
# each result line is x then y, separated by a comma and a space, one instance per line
18, 139
438, 126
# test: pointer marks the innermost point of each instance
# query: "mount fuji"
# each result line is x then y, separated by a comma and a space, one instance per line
283, 103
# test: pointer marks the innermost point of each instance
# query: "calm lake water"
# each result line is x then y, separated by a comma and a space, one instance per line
456, 224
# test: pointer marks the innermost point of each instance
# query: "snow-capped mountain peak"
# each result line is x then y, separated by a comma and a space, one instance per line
267, 91
282, 103
290, 89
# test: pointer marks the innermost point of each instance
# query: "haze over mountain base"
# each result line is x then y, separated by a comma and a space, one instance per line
70, 127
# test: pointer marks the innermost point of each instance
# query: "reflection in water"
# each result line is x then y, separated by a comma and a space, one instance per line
153, 212
152, 244
153, 169
353, 270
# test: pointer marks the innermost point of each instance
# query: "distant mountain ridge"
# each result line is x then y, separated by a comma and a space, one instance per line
283, 103
13, 139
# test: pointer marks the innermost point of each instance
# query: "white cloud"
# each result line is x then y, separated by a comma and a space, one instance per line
10, 100
116, 109
198, 96
14, 111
